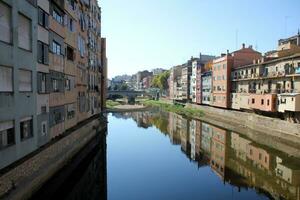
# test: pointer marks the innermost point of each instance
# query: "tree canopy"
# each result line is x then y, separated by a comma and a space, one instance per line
161, 80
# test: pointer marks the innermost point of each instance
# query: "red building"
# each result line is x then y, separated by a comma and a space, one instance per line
221, 72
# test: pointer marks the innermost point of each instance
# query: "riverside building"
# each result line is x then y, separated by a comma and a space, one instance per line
52, 71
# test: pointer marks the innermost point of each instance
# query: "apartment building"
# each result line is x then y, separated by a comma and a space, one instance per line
193, 80
206, 89
268, 86
221, 72
204, 63
18, 90
175, 82
49, 71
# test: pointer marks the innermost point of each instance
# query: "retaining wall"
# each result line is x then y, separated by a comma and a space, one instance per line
23, 180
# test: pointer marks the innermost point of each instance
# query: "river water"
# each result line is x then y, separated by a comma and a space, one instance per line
159, 155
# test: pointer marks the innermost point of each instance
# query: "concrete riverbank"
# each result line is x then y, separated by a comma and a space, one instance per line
266, 126
24, 179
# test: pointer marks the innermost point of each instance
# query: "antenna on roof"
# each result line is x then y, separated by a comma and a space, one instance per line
236, 38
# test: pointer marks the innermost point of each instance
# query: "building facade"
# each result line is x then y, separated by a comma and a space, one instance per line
221, 72
52, 71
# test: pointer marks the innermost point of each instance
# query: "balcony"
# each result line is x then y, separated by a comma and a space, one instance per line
57, 27
289, 102
56, 62
263, 102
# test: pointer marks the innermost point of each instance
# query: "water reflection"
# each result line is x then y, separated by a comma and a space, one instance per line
236, 159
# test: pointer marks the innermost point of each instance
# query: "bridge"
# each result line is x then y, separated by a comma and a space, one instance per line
132, 94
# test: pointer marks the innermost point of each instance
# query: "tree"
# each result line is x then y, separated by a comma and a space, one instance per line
161, 80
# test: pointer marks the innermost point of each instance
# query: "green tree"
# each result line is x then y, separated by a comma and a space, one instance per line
161, 80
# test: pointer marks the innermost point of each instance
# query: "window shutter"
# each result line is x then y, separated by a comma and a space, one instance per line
40, 52
65, 18
6, 79
24, 32
40, 17
48, 83
46, 54
5, 23
25, 80
46, 20
39, 82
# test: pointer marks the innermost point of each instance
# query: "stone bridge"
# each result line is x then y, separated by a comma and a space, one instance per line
132, 94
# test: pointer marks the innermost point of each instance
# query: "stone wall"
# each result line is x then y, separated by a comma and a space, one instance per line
273, 126
23, 180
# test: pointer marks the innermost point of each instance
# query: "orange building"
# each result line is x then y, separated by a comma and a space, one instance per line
221, 72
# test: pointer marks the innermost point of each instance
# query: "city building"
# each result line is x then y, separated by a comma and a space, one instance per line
147, 82
139, 78
221, 72
268, 85
206, 89
18, 88
175, 82
52, 71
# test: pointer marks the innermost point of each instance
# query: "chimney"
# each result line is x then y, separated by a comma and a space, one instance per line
243, 46
250, 46
223, 54
227, 52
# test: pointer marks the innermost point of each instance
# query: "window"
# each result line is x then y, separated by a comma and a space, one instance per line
5, 23
44, 109
43, 18
72, 4
41, 82
250, 151
6, 83
70, 54
81, 45
55, 85
58, 117
253, 101
268, 102
57, 17
67, 84
56, 48
25, 81
44, 128
26, 128
259, 156
71, 25
24, 32
70, 111
43, 53
262, 102
292, 98
7, 134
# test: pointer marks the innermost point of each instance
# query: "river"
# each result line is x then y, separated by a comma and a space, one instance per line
160, 155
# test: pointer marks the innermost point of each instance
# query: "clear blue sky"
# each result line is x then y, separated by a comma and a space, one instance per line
145, 34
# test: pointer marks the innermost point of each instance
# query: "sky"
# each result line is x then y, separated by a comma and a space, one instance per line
147, 34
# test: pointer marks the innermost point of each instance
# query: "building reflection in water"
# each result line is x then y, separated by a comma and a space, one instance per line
85, 177
236, 159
